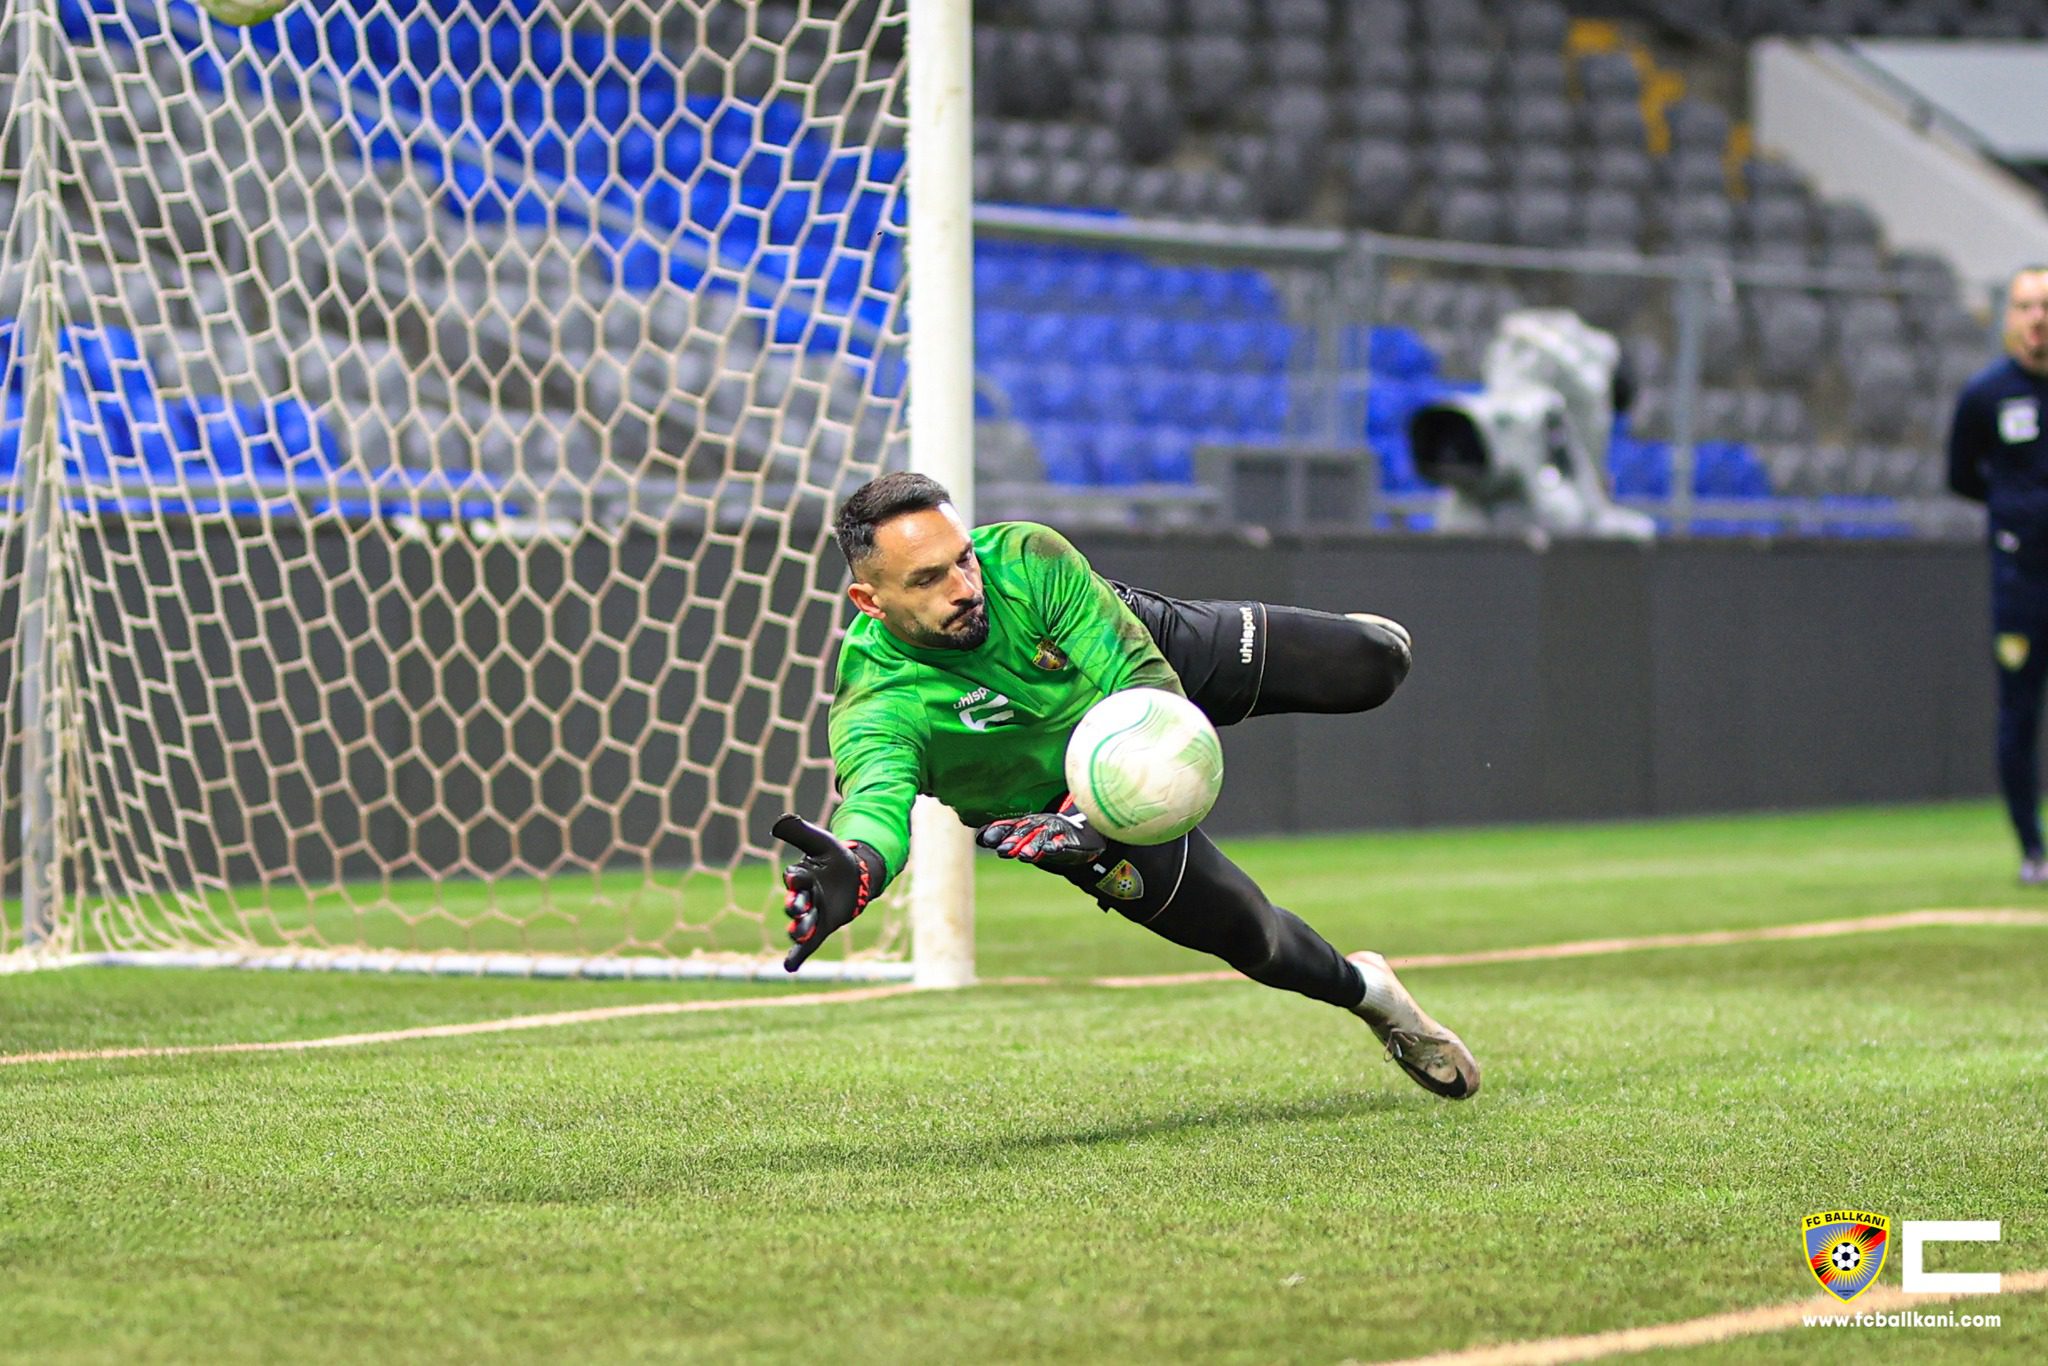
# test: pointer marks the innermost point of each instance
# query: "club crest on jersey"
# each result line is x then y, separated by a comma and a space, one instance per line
2012, 650
1123, 883
2019, 419
1845, 1249
1050, 657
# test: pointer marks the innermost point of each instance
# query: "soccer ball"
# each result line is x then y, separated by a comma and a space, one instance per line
242, 13
1144, 766
1846, 1256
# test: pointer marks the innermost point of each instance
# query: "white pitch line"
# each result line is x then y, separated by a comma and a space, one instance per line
1589, 948
505, 1025
1716, 1328
1822, 929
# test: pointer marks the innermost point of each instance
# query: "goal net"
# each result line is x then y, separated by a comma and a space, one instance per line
422, 426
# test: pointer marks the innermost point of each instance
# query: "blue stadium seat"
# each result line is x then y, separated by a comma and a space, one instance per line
1141, 339
1171, 457
1399, 353
1123, 455
1067, 451
1045, 336
1090, 339
998, 335
1143, 396
1060, 394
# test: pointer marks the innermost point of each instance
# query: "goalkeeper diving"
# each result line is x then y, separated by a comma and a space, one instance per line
974, 656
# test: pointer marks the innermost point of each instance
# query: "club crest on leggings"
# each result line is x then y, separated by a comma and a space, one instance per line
1123, 883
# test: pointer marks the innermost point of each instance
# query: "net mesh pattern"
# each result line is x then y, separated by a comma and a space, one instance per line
444, 408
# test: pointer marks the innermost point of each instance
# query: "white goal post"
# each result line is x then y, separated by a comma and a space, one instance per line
422, 424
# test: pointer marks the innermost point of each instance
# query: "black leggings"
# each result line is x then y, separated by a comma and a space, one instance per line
1241, 659
1324, 663
1189, 892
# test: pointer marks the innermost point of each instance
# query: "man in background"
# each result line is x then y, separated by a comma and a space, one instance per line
1996, 456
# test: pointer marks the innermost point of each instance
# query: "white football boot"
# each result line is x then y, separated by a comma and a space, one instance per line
1435, 1058
1387, 624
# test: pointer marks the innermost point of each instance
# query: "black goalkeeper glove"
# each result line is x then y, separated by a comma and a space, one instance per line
826, 889
1050, 839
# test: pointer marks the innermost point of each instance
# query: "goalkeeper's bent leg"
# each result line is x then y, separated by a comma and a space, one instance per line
1329, 664
1200, 900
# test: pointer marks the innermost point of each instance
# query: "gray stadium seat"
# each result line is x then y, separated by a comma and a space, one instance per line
1459, 163
1540, 218
1377, 113
1775, 219
1455, 21
1376, 66
1018, 180
1229, 197
1697, 126
1538, 166
1284, 181
1609, 76
1108, 184
1721, 349
1065, 180
1540, 25
1537, 118
1141, 57
1925, 273
1219, 16
1301, 114
1139, 16
1881, 391
1864, 322
1845, 222
1620, 168
1295, 60
1718, 415
1151, 192
1767, 178
1611, 218
1380, 182
1460, 67
1856, 256
1306, 18
1790, 333
1529, 73
1700, 223
1144, 116
1471, 215
1615, 123
1686, 173
1212, 69
1073, 16
1377, 23
1456, 116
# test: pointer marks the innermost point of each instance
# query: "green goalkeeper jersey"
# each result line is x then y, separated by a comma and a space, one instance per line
983, 730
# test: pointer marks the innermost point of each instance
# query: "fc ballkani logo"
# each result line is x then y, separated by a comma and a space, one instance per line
1845, 1249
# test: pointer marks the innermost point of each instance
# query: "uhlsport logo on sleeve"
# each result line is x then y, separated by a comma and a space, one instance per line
1845, 1249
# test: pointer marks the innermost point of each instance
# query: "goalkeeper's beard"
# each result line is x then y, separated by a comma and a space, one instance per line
963, 631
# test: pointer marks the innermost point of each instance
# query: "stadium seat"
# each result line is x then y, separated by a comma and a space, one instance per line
1377, 113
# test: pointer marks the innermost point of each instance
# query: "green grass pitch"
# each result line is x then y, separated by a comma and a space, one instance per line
1066, 1172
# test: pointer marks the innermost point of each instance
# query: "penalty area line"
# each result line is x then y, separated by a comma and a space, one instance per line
1592, 948
504, 1025
1717, 1328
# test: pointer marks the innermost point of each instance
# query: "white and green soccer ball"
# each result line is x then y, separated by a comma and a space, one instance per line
1144, 766
242, 13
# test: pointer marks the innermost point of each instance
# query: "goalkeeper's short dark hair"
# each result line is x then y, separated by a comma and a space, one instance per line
878, 501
